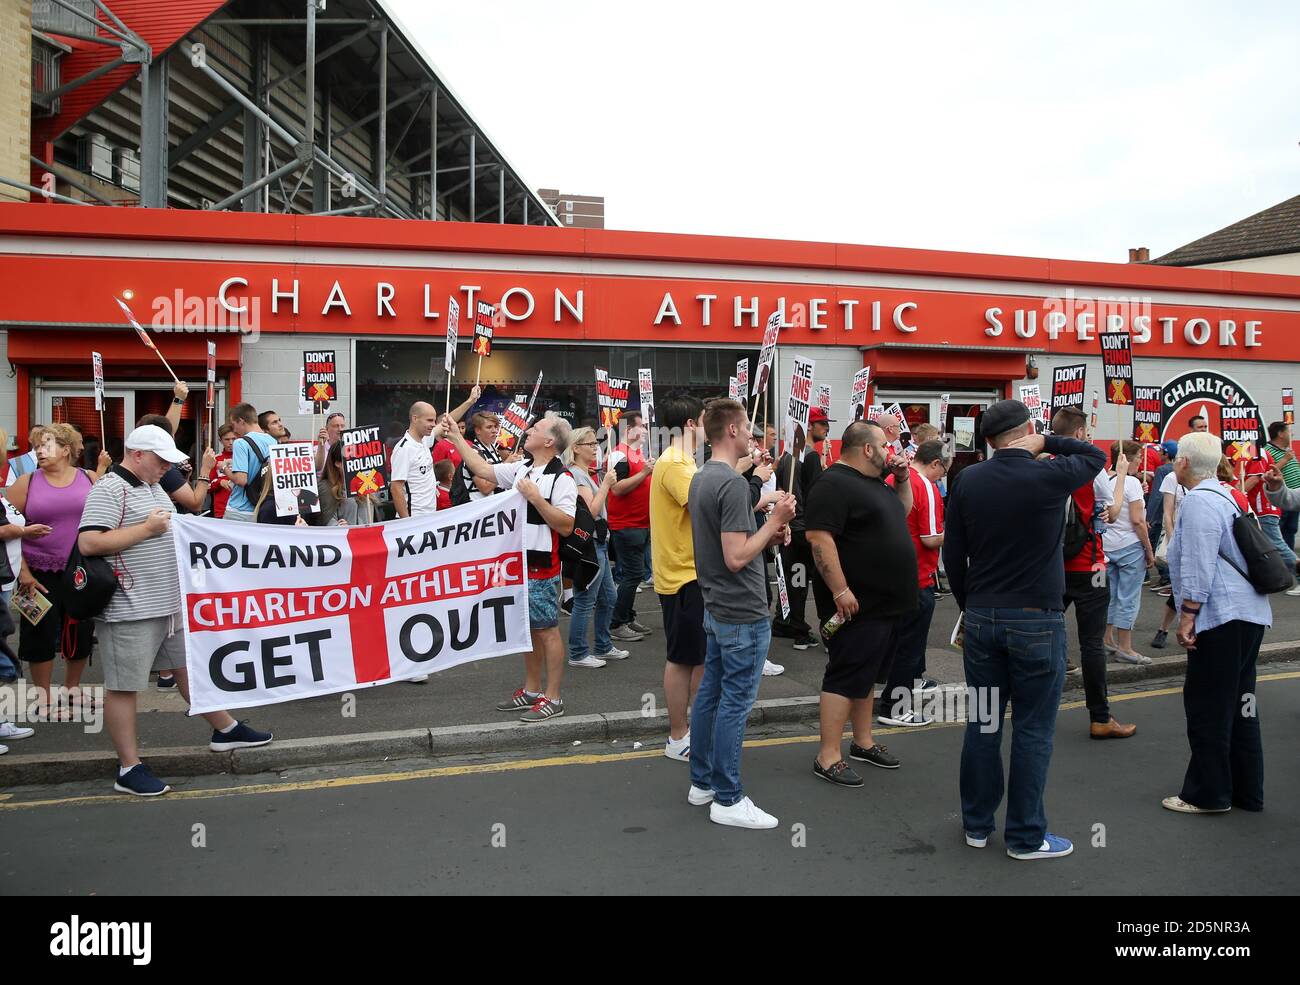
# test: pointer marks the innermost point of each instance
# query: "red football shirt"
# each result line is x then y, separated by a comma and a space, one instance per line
444, 449
1258, 501
633, 510
925, 520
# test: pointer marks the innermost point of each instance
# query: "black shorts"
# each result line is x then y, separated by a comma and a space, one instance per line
39, 643
684, 625
861, 656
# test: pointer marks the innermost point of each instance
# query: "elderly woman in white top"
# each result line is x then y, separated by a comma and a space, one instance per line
1221, 622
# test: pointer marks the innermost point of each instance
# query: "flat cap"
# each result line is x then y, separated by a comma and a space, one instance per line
1003, 416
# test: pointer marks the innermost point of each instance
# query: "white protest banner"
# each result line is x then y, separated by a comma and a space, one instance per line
212, 375
453, 335
823, 400
858, 396
273, 613
767, 355
797, 409
97, 368
1032, 397
293, 478
742, 377
733, 389
781, 591
1288, 405
646, 384
944, 400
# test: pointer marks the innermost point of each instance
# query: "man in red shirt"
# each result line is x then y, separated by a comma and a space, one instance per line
925, 523
1085, 576
219, 482
1270, 517
628, 508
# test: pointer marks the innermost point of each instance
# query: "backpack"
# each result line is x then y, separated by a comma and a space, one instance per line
253, 488
578, 550
1265, 569
1078, 531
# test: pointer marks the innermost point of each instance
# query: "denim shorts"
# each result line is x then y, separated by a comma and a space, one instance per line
544, 602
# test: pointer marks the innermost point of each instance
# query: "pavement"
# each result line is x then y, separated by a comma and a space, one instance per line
585, 819
454, 712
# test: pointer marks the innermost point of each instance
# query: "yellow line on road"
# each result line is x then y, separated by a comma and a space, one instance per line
510, 766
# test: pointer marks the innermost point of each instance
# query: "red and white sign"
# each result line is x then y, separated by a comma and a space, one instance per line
1288, 405
293, 478
212, 375
453, 335
742, 376
799, 407
514, 422
275, 614
733, 388
858, 396
781, 592
645, 382
767, 355
97, 368
611, 397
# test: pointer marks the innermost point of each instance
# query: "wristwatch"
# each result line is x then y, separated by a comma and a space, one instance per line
178, 401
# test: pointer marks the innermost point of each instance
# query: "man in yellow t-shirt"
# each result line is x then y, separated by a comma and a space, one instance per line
672, 555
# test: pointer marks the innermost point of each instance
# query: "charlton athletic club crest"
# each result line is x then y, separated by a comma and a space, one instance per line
79, 578
1202, 393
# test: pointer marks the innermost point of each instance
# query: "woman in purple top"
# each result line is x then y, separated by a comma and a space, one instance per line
53, 497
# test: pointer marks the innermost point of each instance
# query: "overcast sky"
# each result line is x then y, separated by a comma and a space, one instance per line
1039, 129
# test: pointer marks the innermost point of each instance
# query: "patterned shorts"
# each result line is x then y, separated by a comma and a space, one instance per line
544, 602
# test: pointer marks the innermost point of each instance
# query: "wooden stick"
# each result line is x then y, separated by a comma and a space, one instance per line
478, 373
175, 378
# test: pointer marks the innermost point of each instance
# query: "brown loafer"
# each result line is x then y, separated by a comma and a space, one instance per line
1111, 730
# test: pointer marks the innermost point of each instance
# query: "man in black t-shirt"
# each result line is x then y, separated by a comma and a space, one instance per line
867, 576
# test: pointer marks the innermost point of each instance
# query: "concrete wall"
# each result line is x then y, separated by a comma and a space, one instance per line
15, 96
271, 368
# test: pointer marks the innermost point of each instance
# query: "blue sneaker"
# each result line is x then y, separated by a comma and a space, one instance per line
239, 737
976, 841
1052, 847
139, 781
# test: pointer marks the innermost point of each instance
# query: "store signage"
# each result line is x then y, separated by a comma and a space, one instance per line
1201, 393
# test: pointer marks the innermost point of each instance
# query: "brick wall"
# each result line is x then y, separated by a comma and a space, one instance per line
15, 96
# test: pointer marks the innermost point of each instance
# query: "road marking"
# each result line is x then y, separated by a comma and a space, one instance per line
510, 766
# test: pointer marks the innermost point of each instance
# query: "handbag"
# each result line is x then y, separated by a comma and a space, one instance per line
89, 583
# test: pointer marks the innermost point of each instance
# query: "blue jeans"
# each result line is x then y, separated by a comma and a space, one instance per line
1290, 523
1125, 569
599, 595
629, 545
1272, 527
9, 671
733, 668
1016, 654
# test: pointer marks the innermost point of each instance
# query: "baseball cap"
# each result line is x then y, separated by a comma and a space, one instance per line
818, 416
1170, 448
150, 437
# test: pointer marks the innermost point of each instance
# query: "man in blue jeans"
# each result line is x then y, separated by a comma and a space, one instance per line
1002, 552
729, 566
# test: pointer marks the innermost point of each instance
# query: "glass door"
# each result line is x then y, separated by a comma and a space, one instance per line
76, 406
962, 423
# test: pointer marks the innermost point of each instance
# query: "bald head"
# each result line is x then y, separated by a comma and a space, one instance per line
423, 419
890, 424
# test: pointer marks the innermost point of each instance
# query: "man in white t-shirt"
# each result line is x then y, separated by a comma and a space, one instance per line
552, 504
415, 488
1172, 492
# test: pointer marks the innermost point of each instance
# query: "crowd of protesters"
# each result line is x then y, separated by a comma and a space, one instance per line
1046, 523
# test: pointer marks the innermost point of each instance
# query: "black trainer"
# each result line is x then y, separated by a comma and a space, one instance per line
806, 642
840, 774
1159, 641
877, 755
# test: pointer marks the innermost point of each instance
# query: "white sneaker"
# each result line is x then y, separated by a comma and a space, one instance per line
699, 797
5, 749
906, 719
422, 679
614, 653
772, 670
8, 730
1294, 591
587, 661
679, 749
742, 814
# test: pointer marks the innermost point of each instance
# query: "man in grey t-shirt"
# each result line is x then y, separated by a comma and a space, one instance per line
729, 567
127, 521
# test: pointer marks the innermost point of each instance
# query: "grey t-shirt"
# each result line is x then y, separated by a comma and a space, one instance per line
719, 498
148, 583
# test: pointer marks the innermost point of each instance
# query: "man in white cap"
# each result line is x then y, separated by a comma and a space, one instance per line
128, 517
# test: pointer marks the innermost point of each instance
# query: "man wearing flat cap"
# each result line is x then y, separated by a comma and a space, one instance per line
1002, 552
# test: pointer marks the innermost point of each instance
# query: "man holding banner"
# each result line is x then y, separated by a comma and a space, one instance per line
128, 515
552, 505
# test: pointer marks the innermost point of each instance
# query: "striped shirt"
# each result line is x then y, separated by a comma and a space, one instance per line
148, 585
1290, 471
490, 455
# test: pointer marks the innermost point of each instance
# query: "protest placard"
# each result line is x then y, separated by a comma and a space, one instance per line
514, 422
858, 395
274, 614
1147, 412
365, 466
797, 410
611, 397
320, 375
293, 478
645, 382
1117, 366
1068, 383
767, 354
